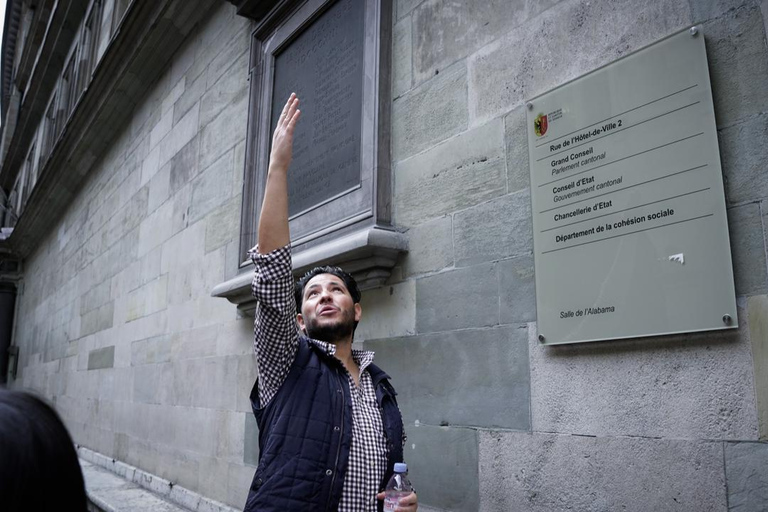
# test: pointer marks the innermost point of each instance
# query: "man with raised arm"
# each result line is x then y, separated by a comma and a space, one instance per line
330, 430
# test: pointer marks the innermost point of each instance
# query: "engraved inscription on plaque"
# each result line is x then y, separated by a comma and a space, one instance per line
323, 65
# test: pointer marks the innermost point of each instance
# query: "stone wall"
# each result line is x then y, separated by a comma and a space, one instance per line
116, 324
496, 421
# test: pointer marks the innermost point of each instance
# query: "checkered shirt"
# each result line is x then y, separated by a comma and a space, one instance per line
276, 342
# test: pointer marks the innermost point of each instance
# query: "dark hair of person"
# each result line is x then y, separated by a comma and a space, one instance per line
349, 282
39, 469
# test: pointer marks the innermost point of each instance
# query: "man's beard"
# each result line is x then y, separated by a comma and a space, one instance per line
334, 332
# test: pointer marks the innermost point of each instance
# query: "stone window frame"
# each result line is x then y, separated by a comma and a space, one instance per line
362, 241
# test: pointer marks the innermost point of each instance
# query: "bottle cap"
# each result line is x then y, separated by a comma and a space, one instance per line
401, 467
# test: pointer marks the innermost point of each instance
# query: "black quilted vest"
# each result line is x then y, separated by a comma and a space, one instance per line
305, 433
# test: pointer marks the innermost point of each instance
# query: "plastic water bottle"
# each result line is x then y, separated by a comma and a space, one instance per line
398, 487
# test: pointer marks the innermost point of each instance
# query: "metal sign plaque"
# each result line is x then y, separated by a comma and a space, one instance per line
629, 225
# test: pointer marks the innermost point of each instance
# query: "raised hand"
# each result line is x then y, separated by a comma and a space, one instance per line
282, 139
273, 221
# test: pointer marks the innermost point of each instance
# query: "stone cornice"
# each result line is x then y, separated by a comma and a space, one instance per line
368, 254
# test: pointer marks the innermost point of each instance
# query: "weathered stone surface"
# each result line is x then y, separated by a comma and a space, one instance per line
251, 448
223, 132
516, 142
155, 228
153, 384
517, 66
101, 358
184, 165
517, 294
748, 249
159, 188
402, 61
220, 374
458, 299
498, 229
473, 377
455, 452
738, 64
746, 476
388, 311
458, 173
181, 133
223, 225
705, 10
446, 31
430, 113
231, 87
757, 308
555, 473
678, 382
406, 6
430, 247
743, 153
97, 320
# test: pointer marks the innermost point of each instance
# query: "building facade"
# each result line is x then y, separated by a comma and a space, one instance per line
124, 157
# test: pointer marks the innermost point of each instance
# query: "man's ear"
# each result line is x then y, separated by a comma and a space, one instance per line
358, 312
300, 321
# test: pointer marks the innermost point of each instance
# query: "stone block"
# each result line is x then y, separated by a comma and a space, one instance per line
402, 61
745, 227
517, 66
95, 297
473, 377
500, 228
430, 113
195, 343
705, 10
190, 98
757, 308
516, 143
155, 228
743, 153
251, 442
430, 247
456, 174
223, 132
184, 165
228, 88
159, 188
101, 358
212, 188
552, 472
458, 299
246, 377
454, 451
173, 95
183, 248
161, 129
517, 293
238, 484
446, 31
223, 225
97, 320
150, 165
693, 386
388, 311
148, 299
214, 390
181, 133
194, 430
153, 384
231, 55
738, 64
746, 476
406, 6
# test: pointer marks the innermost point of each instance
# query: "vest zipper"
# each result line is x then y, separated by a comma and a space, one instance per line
341, 434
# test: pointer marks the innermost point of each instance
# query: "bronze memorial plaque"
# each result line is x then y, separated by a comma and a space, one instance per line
323, 65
